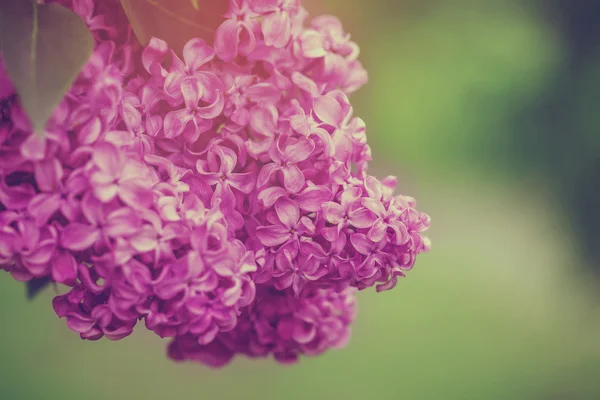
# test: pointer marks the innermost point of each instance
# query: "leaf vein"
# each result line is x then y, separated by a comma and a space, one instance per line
176, 16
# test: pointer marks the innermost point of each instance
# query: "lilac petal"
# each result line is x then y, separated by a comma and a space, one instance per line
244, 182
208, 336
48, 174
263, 119
298, 283
192, 92
30, 233
79, 237
302, 124
9, 241
62, 305
145, 240
328, 110
361, 218
263, 92
43, 206
299, 151
233, 294
79, 323
284, 281
194, 130
42, 253
168, 208
122, 222
377, 231
118, 333
135, 195
247, 41
240, 116
308, 226
196, 53
283, 261
173, 85
92, 209
388, 285
108, 158
333, 212
328, 23
70, 207
169, 289
273, 235
131, 117
91, 131
105, 193
34, 148
269, 196
312, 198
212, 110
64, 268
177, 65
265, 174
210, 84
16, 197
335, 64
154, 54
374, 187
293, 178
175, 122
401, 232
349, 196
154, 123
306, 84
312, 44
277, 29
316, 273
288, 212
227, 40
304, 332
228, 159
374, 205
101, 178
361, 243
211, 178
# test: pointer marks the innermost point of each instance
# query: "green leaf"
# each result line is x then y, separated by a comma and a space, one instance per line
35, 286
44, 46
174, 21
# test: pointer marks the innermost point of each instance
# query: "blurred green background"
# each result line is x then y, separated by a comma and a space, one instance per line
486, 110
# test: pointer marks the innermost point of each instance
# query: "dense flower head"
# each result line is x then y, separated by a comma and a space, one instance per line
278, 323
220, 195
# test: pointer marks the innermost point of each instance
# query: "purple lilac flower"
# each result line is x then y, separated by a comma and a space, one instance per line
281, 324
222, 197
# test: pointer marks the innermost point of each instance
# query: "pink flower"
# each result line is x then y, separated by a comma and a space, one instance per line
349, 212
195, 55
99, 225
112, 174
237, 34
281, 325
195, 118
221, 197
221, 173
286, 155
288, 224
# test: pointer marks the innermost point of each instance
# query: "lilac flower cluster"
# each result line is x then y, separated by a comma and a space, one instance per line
222, 197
